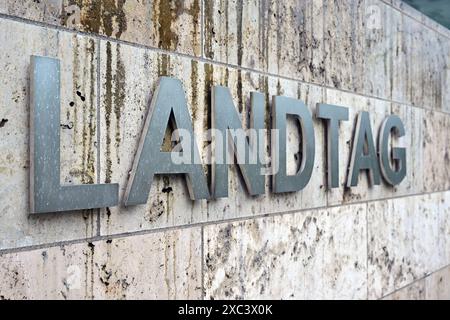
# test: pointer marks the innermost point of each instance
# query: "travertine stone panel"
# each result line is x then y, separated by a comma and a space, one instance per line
308, 255
436, 151
171, 25
48, 11
444, 224
404, 242
280, 37
378, 110
53, 273
166, 24
437, 285
152, 266
380, 23
415, 291
239, 204
126, 93
78, 131
344, 35
413, 142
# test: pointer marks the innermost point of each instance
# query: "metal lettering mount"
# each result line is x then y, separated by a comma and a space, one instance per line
169, 103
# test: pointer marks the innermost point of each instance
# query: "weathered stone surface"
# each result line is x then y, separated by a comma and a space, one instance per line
405, 242
436, 286
170, 25
53, 273
48, 11
152, 266
308, 255
436, 151
126, 92
413, 142
344, 44
380, 30
78, 131
378, 110
415, 291
283, 38
166, 24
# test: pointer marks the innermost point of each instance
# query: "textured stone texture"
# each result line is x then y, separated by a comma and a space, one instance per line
434, 287
436, 151
366, 242
278, 37
308, 255
406, 241
126, 92
153, 266
78, 131
166, 24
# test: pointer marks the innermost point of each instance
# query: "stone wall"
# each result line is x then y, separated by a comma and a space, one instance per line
360, 243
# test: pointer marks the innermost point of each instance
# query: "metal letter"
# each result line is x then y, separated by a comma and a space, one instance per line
281, 181
226, 118
333, 114
149, 160
393, 177
46, 192
364, 155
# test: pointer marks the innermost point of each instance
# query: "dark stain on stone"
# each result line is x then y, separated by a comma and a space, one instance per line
83, 98
119, 96
165, 15
90, 126
67, 126
194, 83
163, 65
156, 211
108, 111
101, 17
207, 121
167, 190
209, 28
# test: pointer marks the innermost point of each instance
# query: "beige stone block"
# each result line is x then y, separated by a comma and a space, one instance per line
124, 105
152, 266
344, 44
307, 255
53, 273
378, 110
170, 25
437, 285
436, 151
379, 41
78, 151
415, 291
444, 224
283, 38
404, 242
126, 92
48, 11
412, 119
